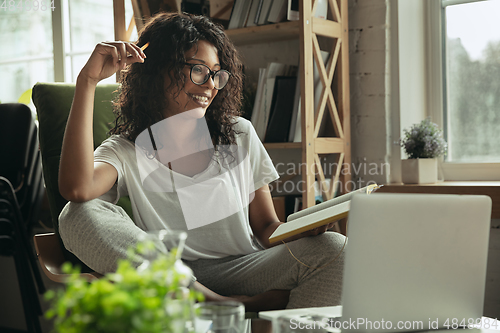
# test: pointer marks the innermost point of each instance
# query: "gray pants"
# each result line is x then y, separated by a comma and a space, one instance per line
99, 233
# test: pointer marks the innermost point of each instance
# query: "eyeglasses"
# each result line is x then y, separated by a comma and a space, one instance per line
201, 73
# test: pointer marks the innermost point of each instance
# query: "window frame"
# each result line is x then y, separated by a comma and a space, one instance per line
63, 54
65, 62
436, 82
59, 40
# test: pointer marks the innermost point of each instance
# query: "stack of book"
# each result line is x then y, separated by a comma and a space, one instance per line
248, 13
275, 90
276, 110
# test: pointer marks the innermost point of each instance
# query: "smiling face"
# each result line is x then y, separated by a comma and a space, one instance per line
194, 96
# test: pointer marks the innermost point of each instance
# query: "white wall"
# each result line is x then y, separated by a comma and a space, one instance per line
369, 51
412, 61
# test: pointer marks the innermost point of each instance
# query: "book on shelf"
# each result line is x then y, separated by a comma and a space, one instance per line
319, 215
321, 9
246, 13
252, 15
295, 113
263, 98
293, 10
259, 10
265, 106
264, 12
318, 195
298, 205
319, 188
258, 96
239, 13
296, 132
235, 12
249, 13
280, 115
278, 11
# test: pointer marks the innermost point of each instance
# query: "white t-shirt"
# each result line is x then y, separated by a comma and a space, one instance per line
211, 206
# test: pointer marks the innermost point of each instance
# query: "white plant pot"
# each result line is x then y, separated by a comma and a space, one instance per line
419, 171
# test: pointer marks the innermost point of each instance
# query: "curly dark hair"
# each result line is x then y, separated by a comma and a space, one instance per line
141, 100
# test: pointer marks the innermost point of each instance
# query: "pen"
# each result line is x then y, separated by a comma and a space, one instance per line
145, 46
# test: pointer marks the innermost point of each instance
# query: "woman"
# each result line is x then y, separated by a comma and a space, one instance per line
188, 162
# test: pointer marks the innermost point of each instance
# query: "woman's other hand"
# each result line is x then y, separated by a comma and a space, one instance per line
318, 230
110, 57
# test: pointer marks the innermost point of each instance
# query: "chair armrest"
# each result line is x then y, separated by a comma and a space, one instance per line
51, 258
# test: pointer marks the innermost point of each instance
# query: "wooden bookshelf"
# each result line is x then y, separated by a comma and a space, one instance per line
264, 33
321, 146
334, 98
283, 145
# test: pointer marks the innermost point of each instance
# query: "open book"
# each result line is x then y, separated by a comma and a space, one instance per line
318, 215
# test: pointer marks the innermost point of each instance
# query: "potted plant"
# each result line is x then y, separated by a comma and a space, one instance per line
151, 298
423, 143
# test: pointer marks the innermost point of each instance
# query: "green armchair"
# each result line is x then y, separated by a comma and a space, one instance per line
53, 103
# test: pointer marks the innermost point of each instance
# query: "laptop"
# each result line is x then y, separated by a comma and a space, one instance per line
413, 262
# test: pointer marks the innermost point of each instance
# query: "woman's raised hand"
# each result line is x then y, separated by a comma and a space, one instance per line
109, 57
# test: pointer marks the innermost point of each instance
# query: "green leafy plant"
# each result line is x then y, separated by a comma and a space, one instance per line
424, 140
150, 298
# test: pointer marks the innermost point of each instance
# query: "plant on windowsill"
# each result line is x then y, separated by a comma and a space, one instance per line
151, 298
423, 143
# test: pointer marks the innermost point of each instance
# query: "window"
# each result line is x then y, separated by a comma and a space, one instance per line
27, 53
471, 39
463, 86
89, 22
30, 37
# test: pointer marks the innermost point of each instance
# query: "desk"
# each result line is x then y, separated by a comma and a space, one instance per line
489, 188
265, 326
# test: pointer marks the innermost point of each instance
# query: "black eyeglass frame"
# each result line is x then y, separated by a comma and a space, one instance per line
211, 74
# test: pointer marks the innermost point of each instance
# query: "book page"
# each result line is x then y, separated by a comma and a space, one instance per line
311, 221
319, 215
332, 202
